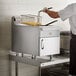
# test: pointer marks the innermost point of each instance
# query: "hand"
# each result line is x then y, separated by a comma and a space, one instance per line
45, 9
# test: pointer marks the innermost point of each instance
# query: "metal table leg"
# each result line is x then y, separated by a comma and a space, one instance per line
16, 67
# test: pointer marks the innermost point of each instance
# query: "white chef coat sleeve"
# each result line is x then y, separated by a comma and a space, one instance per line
67, 12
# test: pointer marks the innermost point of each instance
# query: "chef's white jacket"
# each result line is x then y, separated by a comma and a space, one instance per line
69, 12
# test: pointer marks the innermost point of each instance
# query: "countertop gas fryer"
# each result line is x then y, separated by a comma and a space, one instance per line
38, 40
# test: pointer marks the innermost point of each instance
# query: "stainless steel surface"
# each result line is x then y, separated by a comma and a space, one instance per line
26, 39
40, 61
28, 60
49, 31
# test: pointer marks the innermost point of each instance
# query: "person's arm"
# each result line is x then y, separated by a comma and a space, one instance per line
52, 14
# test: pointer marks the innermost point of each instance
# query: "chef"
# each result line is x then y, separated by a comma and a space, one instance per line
68, 12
